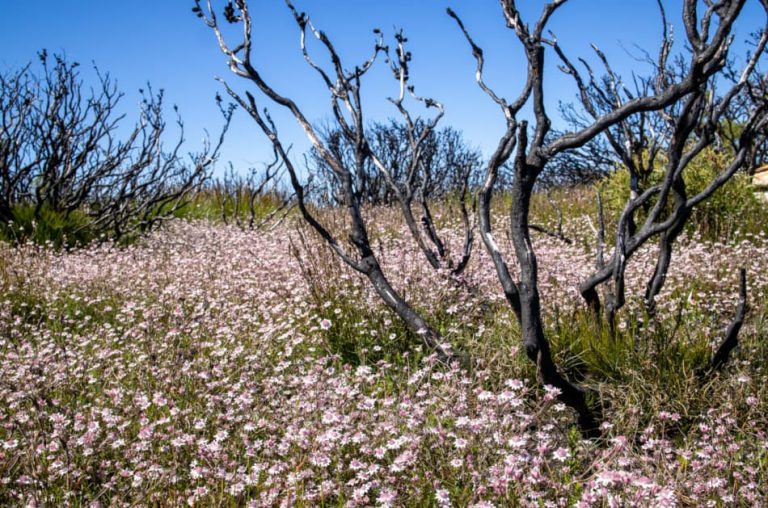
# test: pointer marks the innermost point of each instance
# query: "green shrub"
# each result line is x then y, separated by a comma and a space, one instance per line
732, 212
210, 204
47, 227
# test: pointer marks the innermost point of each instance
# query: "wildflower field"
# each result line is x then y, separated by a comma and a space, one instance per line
210, 366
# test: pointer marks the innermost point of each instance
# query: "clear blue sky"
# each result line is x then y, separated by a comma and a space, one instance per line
164, 43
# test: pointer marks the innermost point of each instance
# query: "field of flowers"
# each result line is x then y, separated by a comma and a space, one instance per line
206, 365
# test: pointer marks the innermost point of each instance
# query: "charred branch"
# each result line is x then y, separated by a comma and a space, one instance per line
344, 90
672, 105
60, 152
731, 339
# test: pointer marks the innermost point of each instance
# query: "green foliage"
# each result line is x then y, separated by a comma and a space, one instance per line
732, 212
360, 338
647, 366
213, 205
60, 230
47, 227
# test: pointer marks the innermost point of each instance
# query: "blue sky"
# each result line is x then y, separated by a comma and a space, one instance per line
163, 43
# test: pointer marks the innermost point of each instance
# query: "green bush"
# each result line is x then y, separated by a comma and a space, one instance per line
210, 204
47, 227
732, 212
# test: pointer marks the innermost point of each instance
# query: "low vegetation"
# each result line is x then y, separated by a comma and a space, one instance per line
167, 338
210, 364
70, 170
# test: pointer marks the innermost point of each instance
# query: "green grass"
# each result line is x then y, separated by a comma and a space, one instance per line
60, 230
213, 205
645, 367
47, 227
648, 365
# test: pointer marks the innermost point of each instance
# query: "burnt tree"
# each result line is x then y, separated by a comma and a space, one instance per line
684, 100
60, 151
344, 89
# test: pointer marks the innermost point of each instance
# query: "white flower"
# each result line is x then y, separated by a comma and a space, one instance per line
443, 498
560, 454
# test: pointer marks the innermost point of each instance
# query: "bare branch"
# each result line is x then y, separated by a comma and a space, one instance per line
731, 339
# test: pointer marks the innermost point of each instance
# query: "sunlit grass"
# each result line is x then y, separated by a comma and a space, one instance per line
210, 364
